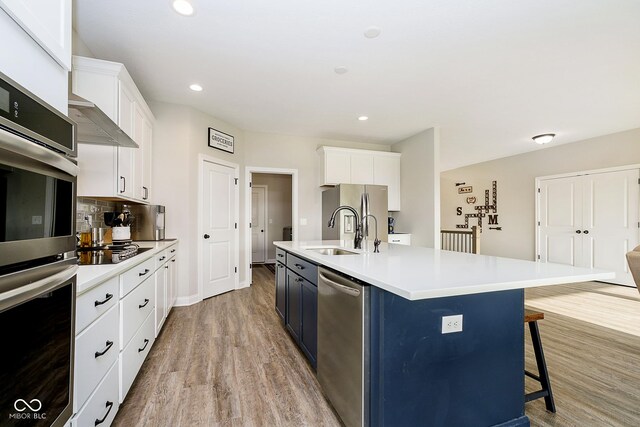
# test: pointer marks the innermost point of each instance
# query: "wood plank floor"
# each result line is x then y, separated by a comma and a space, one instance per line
229, 362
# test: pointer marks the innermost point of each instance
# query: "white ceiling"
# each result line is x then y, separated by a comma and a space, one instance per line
490, 73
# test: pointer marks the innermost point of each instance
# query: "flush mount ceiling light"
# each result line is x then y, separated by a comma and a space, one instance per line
183, 7
363, 118
341, 69
195, 87
372, 32
544, 138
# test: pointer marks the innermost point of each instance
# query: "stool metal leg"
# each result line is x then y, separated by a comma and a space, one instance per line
542, 367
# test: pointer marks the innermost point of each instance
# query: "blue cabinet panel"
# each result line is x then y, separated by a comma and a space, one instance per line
281, 290
294, 304
309, 335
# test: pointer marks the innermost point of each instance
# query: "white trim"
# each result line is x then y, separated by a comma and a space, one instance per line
202, 158
188, 300
589, 172
265, 219
248, 170
326, 148
270, 261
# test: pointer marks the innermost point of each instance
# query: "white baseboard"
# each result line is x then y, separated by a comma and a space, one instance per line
186, 301
243, 284
270, 261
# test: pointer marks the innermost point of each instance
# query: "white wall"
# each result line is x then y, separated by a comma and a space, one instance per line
295, 152
420, 181
278, 207
180, 134
23, 60
516, 189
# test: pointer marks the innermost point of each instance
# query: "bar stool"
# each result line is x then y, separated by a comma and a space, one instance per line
531, 317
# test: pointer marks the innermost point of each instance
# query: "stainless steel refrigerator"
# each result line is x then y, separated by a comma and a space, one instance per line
358, 197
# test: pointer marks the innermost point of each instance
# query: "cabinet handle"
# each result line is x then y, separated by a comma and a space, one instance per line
578, 231
146, 301
298, 279
146, 270
173, 260
107, 298
101, 353
100, 421
173, 251
281, 256
162, 259
586, 231
124, 184
146, 193
146, 342
299, 267
280, 265
166, 266
206, 236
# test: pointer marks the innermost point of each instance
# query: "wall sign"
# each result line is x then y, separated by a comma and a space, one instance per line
220, 140
489, 209
464, 190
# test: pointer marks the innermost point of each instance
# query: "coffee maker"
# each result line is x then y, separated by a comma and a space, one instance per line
392, 222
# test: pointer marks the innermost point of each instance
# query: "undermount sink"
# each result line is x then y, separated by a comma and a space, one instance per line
332, 251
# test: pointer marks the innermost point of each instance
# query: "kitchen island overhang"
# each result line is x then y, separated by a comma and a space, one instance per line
419, 376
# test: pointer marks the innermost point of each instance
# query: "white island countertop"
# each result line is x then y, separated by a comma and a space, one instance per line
418, 273
89, 276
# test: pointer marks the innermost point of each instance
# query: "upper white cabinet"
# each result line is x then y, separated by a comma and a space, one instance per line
351, 166
48, 22
114, 172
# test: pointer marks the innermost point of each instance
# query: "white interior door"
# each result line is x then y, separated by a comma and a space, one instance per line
590, 220
560, 218
610, 221
219, 221
258, 224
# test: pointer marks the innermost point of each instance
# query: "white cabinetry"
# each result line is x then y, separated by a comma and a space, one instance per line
114, 172
48, 22
351, 166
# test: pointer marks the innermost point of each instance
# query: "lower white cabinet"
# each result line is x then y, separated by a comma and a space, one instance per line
117, 322
400, 239
96, 349
103, 404
134, 353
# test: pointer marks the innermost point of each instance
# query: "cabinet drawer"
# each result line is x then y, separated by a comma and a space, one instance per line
96, 350
132, 278
134, 354
281, 255
135, 308
91, 305
303, 267
161, 258
102, 406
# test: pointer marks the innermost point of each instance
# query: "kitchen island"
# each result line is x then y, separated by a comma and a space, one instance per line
413, 373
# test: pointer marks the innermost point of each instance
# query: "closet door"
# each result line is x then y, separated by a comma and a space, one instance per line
560, 229
610, 221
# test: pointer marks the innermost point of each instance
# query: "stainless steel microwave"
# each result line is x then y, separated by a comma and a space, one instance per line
37, 179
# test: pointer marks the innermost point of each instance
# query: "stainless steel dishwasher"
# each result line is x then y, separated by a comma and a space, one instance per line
343, 345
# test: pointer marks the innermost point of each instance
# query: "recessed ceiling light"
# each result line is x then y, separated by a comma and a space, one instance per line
341, 69
183, 7
195, 87
372, 32
544, 138
363, 118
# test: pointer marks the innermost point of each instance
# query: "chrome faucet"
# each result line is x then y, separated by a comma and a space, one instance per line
376, 241
357, 240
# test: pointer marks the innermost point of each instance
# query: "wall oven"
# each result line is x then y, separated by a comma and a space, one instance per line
37, 259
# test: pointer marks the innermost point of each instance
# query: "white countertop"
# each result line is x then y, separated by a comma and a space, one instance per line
91, 275
418, 273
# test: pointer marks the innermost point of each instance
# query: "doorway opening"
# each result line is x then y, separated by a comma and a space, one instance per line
272, 212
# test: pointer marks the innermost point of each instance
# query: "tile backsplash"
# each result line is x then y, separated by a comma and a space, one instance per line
93, 208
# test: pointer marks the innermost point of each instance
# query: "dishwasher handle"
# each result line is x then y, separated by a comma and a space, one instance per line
339, 287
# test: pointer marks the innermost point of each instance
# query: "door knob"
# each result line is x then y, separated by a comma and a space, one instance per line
262, 231
586, 231
206, 236
578, 231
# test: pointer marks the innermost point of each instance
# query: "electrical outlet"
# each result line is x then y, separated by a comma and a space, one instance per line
451, 324
36, 220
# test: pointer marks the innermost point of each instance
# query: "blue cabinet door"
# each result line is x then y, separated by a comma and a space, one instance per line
281, 290
309, 333
293, 304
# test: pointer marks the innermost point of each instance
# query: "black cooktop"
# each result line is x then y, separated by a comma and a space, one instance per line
105, 255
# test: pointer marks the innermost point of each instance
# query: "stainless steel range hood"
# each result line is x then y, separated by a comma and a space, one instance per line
94, 126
